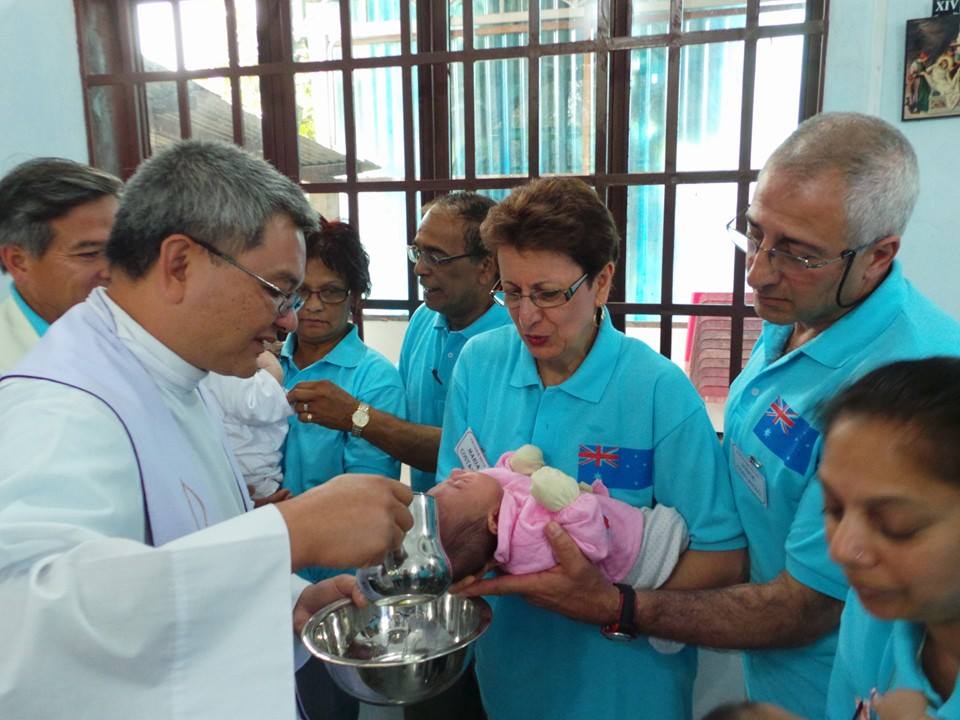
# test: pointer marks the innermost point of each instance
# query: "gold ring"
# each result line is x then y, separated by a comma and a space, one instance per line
309, 417
306, 407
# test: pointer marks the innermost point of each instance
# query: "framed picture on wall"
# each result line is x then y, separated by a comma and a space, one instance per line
931, 87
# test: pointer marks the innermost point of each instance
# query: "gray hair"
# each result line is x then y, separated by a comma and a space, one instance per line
472, 209
877, 163
211, 191
44, 189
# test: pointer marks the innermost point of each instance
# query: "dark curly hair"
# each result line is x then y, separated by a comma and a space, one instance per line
337, 245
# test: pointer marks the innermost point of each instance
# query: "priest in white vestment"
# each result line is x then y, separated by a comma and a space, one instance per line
134, 582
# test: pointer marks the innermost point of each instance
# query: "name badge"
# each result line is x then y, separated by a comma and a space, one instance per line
470, 453
748, 468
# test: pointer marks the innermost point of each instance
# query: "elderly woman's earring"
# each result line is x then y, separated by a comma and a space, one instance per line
598, 317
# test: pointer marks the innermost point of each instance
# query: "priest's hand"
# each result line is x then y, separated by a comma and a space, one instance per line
317, 596
323, 403
349, 521
573, 587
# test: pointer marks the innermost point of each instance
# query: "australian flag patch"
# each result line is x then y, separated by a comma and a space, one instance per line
787, 435
618, 467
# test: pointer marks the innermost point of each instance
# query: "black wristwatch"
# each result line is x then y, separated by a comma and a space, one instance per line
624, 629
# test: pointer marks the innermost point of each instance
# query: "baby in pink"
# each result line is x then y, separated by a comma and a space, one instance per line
496, 518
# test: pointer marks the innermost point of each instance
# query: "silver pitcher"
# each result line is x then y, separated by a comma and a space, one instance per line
418, 569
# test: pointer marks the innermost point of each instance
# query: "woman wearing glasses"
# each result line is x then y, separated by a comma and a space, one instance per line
891, 486
601, 406
326, 346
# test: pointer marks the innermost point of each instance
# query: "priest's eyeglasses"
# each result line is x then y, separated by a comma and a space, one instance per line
285, 302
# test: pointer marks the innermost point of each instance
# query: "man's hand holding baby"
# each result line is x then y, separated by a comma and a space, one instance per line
574, 587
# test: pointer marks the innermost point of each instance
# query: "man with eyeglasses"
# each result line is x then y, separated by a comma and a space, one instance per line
135, 577
55, 217
821, 236
456, 274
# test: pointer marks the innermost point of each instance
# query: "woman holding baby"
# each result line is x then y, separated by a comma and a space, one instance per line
600, 406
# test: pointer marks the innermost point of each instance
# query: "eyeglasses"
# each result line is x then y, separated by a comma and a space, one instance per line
285, 302
540, 298
328, 295
780, 260
431, 259
784, 262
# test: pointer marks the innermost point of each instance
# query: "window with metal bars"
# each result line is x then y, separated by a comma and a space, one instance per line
667, 107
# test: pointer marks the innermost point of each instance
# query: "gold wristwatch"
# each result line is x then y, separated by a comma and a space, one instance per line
360, 418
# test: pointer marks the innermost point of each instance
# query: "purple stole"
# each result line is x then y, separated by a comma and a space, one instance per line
81, 350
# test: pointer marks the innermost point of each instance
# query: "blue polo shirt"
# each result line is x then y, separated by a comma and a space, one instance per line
313, 454
773, 442
38, 324
879, 654
429, 351
629, 416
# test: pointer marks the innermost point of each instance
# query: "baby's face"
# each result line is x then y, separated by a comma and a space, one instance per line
464, 496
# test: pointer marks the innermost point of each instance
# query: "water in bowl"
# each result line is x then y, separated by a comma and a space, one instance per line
411, 632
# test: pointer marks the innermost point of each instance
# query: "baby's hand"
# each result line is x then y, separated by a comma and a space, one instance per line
527, 459
553, 488
268, 361
900, 704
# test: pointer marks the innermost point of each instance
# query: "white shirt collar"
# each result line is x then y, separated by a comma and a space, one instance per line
166, 367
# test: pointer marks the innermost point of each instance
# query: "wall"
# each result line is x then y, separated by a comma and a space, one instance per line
864, 73
41, 104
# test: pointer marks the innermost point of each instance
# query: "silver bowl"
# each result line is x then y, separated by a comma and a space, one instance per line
400, 651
